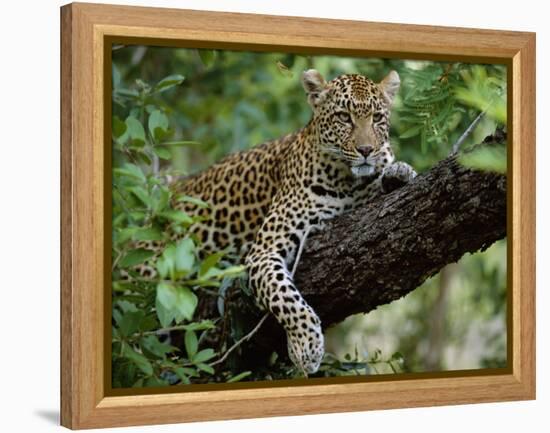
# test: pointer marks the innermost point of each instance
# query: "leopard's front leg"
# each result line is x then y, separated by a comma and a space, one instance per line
271, 281
393, 176
396, 175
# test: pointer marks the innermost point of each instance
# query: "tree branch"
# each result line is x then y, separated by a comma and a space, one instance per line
379, 253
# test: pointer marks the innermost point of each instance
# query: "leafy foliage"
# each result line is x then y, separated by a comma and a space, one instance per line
177, 111
440, 101
357, 365
145, 309
487, 158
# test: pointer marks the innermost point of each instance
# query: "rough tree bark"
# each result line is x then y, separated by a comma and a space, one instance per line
381, 252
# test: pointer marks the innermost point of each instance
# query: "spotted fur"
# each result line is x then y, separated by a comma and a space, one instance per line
266, 200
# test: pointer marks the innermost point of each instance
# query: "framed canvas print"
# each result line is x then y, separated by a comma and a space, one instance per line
269, 216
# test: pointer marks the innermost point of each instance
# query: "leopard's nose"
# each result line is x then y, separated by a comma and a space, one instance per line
365, 150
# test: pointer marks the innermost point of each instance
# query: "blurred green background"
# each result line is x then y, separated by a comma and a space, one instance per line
218, 102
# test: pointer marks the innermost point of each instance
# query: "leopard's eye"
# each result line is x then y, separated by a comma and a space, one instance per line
343, 117
377, 117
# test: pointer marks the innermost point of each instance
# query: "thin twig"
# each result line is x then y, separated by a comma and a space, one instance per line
299, 253
242, 340
115, 262
162, 330
156, 165
469, 130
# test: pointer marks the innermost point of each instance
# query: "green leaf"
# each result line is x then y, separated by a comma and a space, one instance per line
167, 295
180, 143
137, 358
123, 235
150, 108
128, 323
136, 131
273, 358
132, 171
155, 381
126, 306
147, 234
411, 132
204, 355
205, 367
210, 261
138, 383
127, 93
187, 302
148, 323
115, 77
193, 200
180, 302
177, 216
135, 257
185, 255
207, 57
118, 127
162, 153
158, 124
212, 273
190, 371
168, 82
216, 273
180, 371
184, 373
191, 343
152, 344
200, 326
143, 156
166, 264
160, 199
485, 158
239, 376
233, 271
142, 194
165, 315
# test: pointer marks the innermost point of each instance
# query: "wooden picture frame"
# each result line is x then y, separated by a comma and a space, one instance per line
86, 32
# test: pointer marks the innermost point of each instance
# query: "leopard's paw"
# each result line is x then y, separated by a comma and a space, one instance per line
396, 175
306, 348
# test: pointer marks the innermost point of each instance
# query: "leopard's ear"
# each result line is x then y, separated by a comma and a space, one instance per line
314, 85
390, 86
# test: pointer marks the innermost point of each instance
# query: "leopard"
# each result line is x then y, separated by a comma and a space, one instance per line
264, 202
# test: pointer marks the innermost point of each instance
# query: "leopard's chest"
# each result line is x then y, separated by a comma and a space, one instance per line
331, 190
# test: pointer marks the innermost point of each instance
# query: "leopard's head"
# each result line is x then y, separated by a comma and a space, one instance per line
351, 118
